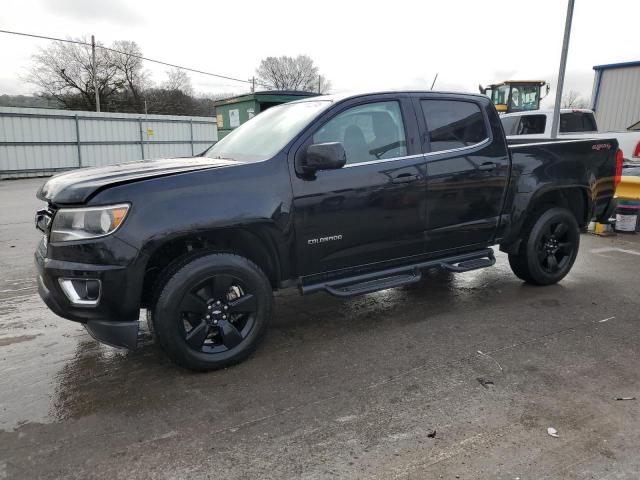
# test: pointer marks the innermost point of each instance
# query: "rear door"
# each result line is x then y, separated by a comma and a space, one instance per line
373, 209
467, 170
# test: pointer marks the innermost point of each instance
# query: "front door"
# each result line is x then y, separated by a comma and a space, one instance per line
467, 172
373, 209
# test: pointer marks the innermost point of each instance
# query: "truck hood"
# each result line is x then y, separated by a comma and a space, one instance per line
77, 186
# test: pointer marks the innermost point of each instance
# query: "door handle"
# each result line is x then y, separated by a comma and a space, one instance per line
405, 178
487, 166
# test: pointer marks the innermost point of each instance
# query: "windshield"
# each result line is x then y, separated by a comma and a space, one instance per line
525, 97
265, 134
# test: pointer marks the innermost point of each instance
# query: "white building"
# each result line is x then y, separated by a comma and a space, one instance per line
616, 95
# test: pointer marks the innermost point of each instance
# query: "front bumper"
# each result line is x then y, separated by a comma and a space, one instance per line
114, 320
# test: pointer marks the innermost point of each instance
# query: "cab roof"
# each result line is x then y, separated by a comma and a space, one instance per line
338, 97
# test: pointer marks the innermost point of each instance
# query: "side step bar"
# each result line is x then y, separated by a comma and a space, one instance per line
374, 285
398, 276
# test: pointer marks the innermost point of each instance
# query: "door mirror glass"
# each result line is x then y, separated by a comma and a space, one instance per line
324, 156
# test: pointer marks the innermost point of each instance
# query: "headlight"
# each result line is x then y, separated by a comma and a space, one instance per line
90, 222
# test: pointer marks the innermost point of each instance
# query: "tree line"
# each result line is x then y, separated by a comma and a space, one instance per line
63, 74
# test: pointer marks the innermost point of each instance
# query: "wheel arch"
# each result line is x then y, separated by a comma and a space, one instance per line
576, 199
253, 243
573, 198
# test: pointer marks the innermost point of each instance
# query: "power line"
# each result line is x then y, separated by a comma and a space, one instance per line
78, 42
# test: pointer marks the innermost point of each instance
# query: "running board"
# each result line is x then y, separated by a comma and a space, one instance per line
374, 285
399, 276
469, 265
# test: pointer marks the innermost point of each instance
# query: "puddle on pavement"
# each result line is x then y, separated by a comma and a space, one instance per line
52, 370
33, 345
47, 363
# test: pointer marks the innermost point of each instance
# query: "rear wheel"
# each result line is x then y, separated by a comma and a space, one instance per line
549, 247
213, 311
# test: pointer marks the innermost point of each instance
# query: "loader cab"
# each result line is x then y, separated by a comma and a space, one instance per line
516, 96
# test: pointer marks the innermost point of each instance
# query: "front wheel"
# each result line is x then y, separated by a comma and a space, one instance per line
213, 311
549, 247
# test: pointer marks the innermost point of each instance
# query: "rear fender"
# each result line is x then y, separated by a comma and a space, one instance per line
575, 198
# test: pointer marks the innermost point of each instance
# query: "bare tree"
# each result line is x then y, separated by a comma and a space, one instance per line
288, 73
178, 79
128, 63
64, 74
64, 71
324, 85
573, 99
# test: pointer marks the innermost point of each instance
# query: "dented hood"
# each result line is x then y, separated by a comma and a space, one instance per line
78, 185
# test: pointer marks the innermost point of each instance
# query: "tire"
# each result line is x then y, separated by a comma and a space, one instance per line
550, 243
211, 310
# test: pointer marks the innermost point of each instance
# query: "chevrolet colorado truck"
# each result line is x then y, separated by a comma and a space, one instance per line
341, 194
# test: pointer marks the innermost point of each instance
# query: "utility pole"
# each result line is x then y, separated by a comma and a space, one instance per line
93, 67
253, 84
319, 84
563, 66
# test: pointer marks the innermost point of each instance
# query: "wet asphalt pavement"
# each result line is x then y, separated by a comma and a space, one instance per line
340, 388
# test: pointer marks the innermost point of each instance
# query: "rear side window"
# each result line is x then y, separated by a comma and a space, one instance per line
531, 125
577, 122
453, 124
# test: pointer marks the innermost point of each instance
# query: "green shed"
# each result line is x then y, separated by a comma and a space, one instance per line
233, 112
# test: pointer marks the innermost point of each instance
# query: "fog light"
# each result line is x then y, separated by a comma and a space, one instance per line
82, 292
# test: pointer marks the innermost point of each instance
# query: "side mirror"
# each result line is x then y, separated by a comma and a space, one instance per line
324, 156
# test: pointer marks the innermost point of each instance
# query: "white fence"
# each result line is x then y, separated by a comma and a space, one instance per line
37, 142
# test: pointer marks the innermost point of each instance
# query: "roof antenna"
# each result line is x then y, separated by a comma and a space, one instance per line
434, 81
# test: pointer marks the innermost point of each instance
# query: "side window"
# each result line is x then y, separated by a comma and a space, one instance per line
453, 124
531, 125
368, 132
577, 122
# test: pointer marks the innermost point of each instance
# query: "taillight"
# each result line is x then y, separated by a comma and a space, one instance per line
636, 152
618, 177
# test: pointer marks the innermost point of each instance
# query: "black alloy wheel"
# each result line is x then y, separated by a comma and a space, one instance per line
556, 246
549, 246
211, 310
217, 314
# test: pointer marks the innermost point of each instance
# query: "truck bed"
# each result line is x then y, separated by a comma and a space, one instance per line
542, 164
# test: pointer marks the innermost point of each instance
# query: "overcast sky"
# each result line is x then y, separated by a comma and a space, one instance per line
357, 45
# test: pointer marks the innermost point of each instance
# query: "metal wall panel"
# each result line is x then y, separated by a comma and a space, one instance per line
100, 155
203, 131
618, 102
36, 141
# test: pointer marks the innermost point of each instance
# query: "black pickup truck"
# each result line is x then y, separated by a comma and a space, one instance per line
341, 194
